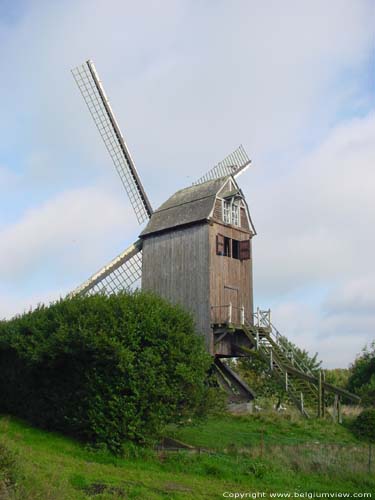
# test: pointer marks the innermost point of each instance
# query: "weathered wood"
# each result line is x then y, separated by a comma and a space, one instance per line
176, 266
230, 279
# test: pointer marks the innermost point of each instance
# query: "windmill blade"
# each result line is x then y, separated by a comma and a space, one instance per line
234, 164
95, 97
120, 274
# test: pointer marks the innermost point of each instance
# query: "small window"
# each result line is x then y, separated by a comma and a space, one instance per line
235, 214
226, 212
223, 245
235, 249
231, 212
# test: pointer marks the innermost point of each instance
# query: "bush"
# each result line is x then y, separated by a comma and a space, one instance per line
364, 425
103, 369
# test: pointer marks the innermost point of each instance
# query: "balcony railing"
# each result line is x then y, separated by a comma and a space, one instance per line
227, 314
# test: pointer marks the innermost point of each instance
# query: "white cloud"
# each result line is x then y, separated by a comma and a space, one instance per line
64, 236
315, 224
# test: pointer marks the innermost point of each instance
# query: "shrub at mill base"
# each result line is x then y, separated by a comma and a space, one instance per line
103, 369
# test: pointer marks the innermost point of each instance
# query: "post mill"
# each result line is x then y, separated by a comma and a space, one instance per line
196, 251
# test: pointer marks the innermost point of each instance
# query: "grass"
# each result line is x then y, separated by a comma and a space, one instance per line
249, 430
292, 455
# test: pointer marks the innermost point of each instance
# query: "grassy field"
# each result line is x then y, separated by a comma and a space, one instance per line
268, 453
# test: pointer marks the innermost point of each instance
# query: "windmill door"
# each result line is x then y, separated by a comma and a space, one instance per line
231, 298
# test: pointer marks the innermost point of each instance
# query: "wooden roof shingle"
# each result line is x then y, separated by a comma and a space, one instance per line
187, 206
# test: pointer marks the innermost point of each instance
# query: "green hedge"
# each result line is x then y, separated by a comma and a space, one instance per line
364, 425
103, 369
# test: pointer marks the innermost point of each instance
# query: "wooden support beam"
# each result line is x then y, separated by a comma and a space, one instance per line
320, 394
339, 414
335, 408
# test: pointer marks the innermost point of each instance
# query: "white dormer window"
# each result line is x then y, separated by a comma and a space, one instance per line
226, 212
231, 212
235, 214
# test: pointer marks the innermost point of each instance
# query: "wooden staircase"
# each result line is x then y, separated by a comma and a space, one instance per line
305, 389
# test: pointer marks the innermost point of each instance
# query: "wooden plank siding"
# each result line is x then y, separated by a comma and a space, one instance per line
230, 279
218, 210
244, 220
176, 266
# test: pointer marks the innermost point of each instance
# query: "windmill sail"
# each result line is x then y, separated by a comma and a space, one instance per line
120, 274
233, 164
94, 95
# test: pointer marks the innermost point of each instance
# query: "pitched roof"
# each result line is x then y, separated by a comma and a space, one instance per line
189, 205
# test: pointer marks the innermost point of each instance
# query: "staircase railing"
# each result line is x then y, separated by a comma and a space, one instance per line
263, 319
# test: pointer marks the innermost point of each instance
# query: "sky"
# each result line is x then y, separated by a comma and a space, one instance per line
189, 81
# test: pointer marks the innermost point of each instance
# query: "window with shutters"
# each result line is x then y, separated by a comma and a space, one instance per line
235, 249
223, 245
228, 247
219, 244
245, 250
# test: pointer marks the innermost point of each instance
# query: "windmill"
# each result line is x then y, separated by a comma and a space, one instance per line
196, 251
126, 269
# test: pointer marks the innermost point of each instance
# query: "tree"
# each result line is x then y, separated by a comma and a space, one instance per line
362, 378
305, 359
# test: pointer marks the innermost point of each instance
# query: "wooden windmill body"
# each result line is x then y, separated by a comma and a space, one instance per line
197, 252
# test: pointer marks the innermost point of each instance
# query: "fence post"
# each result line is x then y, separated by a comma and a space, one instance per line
230, 313
335, 408
302, 405
320, 394
369, 457
257, 338
323, 394
286, 381
339, 414
271, 359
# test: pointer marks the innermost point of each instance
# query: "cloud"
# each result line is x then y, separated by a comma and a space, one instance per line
60, 238
313, 256
315, 227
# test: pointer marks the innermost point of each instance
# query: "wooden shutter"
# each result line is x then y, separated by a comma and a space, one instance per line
245, 250
219, 244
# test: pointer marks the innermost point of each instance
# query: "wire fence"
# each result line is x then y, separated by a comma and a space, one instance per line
297, 455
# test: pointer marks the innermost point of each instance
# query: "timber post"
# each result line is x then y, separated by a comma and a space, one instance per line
339, 413
242, 315
320, 394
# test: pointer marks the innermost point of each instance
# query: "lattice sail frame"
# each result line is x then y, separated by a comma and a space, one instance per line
97, 102
234, 164
120, 274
